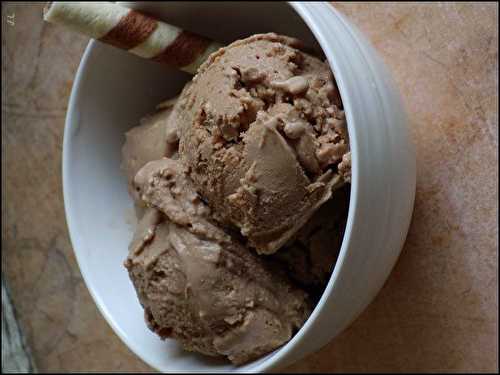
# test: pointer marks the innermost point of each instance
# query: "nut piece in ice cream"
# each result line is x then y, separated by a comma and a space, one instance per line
197, 284
262, 131
345, 167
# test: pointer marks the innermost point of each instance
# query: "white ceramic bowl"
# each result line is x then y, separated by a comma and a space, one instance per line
114, 89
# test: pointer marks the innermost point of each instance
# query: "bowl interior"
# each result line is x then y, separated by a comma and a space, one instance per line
112, 91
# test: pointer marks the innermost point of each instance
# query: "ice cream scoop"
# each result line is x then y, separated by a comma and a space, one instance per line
200, 286
262, 132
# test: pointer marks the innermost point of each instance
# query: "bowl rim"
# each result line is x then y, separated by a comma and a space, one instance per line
278, 355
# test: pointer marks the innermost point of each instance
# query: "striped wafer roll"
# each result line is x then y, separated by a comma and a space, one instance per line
133, 31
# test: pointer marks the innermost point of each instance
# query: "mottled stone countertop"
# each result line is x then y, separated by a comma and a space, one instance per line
438, 310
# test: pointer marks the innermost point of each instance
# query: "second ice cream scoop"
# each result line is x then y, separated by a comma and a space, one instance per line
199, 285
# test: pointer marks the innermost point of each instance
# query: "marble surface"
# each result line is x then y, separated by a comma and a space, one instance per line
438, 310
16, 357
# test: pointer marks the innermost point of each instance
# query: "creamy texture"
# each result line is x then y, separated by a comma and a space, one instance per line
262, 131
199, 285
154, 138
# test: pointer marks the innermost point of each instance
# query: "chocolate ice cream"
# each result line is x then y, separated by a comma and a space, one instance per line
200, 286
262, 130
154, 138
244, 164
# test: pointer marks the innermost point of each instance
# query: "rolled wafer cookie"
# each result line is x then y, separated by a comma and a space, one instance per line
133, 31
